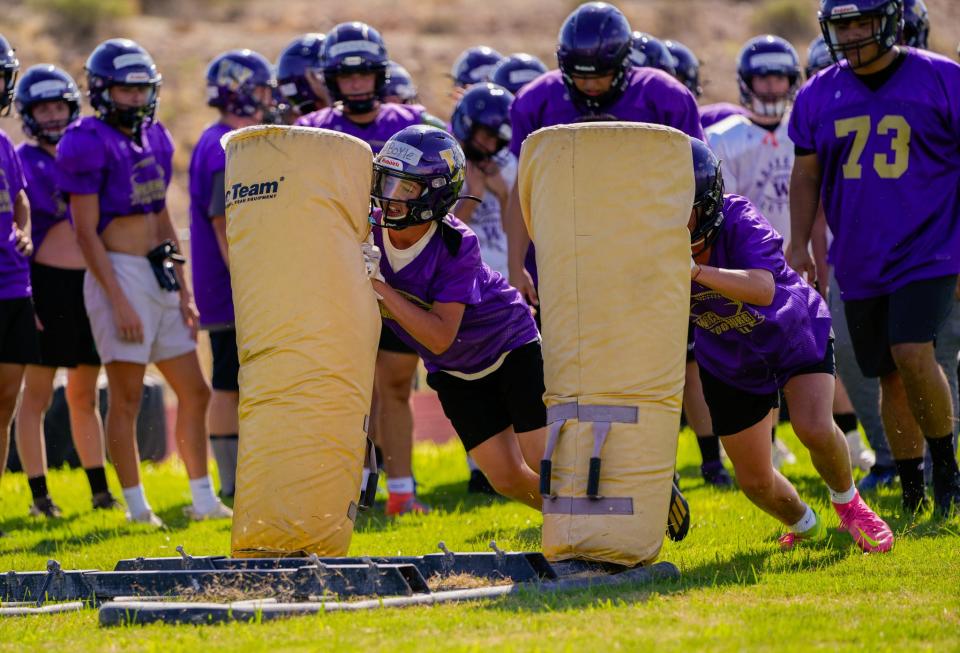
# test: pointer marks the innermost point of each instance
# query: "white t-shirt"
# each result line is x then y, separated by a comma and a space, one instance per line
756, 163
487, 223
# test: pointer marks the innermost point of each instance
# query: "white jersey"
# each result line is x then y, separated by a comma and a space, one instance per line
756, 163
486, 221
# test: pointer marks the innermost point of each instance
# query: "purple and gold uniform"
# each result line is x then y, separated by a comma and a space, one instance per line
211, 277
651, 96
890, 161
390, 119
496, 320
48, 206
14, 267
757, 349
130, 177
711, 114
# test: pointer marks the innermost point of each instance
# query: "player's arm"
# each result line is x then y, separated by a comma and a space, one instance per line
518, 242
819, 246
755, 287
21, 218
435, 329
166, 231
804, 201
217, 213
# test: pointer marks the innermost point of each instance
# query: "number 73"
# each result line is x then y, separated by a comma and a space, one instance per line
860, 127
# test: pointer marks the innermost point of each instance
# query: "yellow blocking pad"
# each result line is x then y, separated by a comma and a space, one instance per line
307, 332
607, 206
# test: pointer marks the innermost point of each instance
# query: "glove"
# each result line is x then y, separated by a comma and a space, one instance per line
371, 260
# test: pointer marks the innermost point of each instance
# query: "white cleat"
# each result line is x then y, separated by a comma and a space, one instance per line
860, 456
220, 511
782, 455
148, 517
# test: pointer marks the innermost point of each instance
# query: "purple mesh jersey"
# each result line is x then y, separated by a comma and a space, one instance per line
390, 119
14, 267
48, 206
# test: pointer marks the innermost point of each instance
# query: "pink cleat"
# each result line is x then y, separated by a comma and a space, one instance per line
866, 528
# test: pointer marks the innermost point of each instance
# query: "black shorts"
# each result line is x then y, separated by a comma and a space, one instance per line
389, 341
732, 410
226, 364
912, 314
66, 339
511, 395
18, 332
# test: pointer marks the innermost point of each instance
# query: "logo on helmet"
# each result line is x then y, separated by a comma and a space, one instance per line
447, 155
393, 164
845, 9
232, 75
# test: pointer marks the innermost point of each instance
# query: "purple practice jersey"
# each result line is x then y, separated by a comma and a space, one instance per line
211, 277
711, 114
48, 206
651, 96
756, 348
129, 177
496, 320
890, 162
14, 267
390, 119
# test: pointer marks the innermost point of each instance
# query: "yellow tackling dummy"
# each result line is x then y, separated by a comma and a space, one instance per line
607, 206
307, 331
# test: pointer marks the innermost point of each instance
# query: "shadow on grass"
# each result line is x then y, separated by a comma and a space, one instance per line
450, 498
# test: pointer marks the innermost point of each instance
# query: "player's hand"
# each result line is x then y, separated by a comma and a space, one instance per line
522, 281
128, 323
371, 260
22, 241
189, 313
798, 257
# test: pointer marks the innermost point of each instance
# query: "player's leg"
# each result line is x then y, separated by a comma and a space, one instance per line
917, 314
698, 418
87, 430
810, 397
501, 459
223, 418
10, 377
31, 446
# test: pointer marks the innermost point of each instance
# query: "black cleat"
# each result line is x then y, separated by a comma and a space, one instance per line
479, 484
946, 494
105, 501
715, 474
45, 507
678, 517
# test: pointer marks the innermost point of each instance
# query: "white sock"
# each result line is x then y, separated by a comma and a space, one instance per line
843, 497
808, 521
136, 500
204, 499
471, 464
402, 485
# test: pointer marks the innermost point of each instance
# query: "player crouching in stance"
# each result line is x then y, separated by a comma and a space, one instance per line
473, 330
760, 328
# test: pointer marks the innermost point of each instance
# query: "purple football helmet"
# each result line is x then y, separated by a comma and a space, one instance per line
594, 41
649, 52
122, 62
485, 106
417, 177
516, 71
400, 84
9, 65
818, 57
233, 79
687, 66
300, 74
887, 16
46, 83
916, 24
767, 55
355, 48
708, 196
475, 65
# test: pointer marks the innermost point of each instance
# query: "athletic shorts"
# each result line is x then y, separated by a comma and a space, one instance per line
732, 410
165, 335
912, 314
511, 395
389, 341
18, 332
66, 339
226, 364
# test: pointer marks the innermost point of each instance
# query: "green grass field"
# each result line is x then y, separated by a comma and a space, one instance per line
737, 591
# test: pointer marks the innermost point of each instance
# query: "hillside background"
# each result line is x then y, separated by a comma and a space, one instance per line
423, 35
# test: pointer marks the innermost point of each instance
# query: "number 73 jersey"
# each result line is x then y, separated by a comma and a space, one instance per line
890, 163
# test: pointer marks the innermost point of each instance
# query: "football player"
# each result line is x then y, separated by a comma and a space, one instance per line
300, 77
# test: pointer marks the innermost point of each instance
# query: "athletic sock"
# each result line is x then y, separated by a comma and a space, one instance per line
225, 449
846, 421
943, 457
808, 521
204, 500
709, 447
841, 498
97, 478
911, 482
401, 485
38, 486
136, 500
